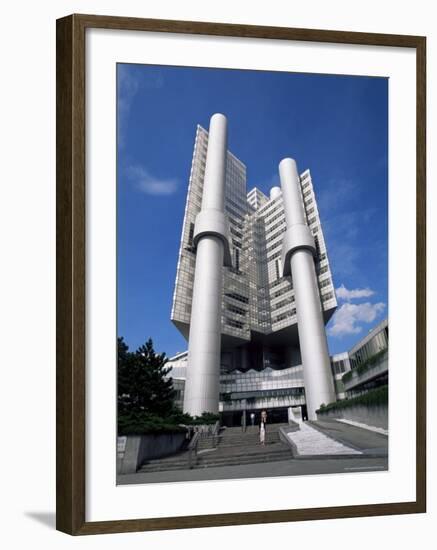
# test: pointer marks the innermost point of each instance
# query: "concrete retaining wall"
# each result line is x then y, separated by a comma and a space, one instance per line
376, 415
133, 450
285, 439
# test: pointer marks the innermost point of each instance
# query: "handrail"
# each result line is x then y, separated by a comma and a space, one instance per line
192, 447
215, 432
201, 432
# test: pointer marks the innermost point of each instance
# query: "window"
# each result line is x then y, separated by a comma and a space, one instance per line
237, 297
190, 235
283, 316
281, 292
233, 323
236, 233
282, 303
275, 255
316, 242
278, 275
235, 309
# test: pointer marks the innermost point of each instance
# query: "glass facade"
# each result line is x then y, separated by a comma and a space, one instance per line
270, 384
260, 353
369, 362
256, 297
374, 343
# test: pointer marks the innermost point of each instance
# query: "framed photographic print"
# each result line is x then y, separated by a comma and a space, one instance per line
240, 274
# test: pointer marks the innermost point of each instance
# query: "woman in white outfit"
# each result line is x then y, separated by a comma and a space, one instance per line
262, 428
262, 432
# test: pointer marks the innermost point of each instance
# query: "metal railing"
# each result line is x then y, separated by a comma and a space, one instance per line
192, 450
215, 433
201, 432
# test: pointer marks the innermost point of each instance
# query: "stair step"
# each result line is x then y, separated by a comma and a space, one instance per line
249, 441
248, 449
217, 462
223, 451
233, 447
223, 459
242, 456
243, 460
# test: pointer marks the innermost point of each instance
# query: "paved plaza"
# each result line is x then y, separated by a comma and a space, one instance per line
290, 467
232, 460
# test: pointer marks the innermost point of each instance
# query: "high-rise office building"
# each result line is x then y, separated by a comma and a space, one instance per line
253, 288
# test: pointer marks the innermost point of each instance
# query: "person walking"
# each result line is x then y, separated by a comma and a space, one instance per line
262, 428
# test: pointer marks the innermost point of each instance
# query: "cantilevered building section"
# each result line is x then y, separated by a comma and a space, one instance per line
261, 342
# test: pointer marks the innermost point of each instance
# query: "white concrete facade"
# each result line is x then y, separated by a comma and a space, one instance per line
235, 299
299, 251
211, 240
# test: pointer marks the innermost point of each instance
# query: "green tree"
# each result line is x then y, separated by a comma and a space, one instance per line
143, 382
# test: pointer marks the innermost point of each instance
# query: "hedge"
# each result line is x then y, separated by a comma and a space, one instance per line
372, 398
365, 365
141, 422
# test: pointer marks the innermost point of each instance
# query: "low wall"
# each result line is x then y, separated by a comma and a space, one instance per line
374, 415
133, 450
283, 431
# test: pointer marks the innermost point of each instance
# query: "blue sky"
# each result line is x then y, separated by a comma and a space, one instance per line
335, 125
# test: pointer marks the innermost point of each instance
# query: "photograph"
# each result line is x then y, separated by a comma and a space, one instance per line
252, 274
218, 233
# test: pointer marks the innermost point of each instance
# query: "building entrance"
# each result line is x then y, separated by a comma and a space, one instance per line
278, 415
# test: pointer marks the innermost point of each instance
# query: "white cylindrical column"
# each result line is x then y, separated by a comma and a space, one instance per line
215, 168
203, 373
299, 252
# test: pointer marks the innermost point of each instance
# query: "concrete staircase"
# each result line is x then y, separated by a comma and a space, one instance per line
233, 447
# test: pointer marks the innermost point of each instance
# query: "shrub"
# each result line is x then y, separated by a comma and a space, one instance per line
204, 418
365, 365
370, 362
347, 377
142, 422
378, 396
139, 423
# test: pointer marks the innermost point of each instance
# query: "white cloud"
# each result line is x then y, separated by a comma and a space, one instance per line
149, 184
345, 294
129, 85
348, 316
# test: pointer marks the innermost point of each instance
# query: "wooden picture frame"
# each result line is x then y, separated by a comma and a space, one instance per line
71, 254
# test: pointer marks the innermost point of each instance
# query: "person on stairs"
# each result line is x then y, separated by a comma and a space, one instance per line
262, 428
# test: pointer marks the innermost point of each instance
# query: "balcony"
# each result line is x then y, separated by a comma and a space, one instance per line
371, 369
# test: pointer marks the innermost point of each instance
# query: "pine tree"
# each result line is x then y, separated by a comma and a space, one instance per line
143, 382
